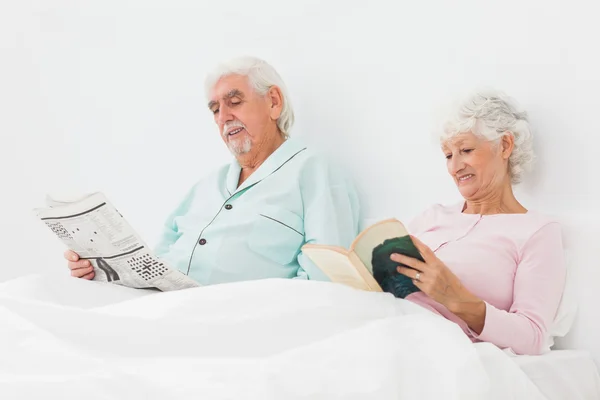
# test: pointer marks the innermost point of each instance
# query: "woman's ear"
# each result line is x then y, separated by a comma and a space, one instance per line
275, 99
507, 144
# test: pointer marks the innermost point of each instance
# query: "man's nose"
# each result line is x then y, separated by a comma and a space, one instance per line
224, 115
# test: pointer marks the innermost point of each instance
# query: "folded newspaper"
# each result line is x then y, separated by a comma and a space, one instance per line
93, 228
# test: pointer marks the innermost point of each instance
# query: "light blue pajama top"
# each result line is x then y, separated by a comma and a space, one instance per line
224, 233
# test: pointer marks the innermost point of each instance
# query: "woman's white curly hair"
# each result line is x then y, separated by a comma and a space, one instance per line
492, 114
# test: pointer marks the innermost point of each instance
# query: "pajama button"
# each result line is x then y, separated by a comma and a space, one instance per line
228, 206
202, 242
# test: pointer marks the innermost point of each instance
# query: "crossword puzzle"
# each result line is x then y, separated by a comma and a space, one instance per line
147, 267
59, 230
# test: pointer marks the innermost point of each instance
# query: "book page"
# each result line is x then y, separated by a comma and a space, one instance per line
339, 268
375, 235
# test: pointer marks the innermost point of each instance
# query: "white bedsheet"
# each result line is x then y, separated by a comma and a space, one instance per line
272, 339
563, 374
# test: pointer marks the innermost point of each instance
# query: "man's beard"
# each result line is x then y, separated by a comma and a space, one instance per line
237, 147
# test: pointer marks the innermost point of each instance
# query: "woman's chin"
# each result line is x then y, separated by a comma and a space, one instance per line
467, 192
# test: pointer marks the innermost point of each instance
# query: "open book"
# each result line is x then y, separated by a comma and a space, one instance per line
367, 264
93, 228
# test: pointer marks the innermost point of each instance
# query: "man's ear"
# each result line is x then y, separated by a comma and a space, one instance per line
275, 101
507, 144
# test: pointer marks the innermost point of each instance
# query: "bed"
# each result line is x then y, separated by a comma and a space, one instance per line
563, 374
558, 374
272, 339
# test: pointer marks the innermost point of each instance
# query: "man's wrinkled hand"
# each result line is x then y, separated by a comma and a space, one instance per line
79, 268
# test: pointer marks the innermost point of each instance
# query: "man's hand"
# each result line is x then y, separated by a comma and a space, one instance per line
79, 268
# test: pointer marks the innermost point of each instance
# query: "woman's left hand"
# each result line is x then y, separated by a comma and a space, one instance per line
433, 277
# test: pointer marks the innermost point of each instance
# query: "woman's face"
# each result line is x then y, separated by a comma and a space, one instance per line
478, 166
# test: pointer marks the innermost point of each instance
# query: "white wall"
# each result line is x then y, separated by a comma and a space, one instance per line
107, 95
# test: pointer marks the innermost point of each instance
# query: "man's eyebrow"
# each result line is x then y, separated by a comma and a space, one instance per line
232, 93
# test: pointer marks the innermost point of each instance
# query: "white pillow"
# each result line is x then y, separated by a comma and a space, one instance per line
567, 309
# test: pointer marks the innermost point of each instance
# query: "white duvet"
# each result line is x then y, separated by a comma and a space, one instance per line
64, 338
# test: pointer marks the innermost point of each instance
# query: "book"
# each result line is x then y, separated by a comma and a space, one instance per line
94, 229
366, 265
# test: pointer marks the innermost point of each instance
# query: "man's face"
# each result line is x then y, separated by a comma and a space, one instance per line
245, 118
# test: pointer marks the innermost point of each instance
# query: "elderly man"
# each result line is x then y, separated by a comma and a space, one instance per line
250, 219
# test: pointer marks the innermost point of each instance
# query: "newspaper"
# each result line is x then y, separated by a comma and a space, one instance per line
93, 228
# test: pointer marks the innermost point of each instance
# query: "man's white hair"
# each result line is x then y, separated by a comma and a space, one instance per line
262, 77
491, 114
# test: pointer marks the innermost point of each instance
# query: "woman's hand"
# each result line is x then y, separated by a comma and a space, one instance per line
436, 280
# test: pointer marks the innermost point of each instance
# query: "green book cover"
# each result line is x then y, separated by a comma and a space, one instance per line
385, 270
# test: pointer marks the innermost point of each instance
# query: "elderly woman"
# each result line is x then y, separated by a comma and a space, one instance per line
492, 266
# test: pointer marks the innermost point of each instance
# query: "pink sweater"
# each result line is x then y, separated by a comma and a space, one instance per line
514, 262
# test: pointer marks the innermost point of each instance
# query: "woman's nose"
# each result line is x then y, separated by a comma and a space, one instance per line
455, 165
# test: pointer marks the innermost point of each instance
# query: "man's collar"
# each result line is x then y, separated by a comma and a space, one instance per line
280, 156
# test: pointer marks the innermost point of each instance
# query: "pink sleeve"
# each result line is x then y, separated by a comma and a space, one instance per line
539, 282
